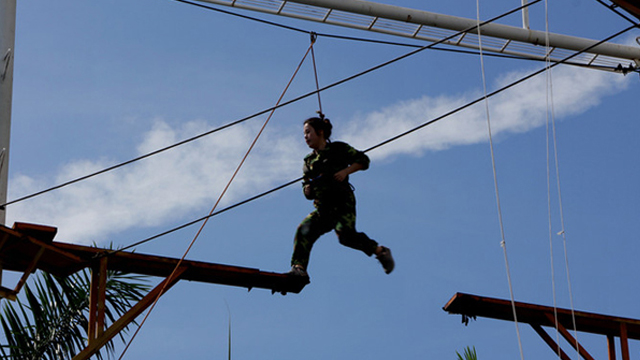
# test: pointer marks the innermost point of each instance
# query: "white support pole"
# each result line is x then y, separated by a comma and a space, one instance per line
7, 45
457, 24
525, 15
413, 23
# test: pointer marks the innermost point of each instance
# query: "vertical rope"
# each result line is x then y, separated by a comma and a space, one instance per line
551, 111
548, 105
503, 242
206, 220
562, 231
553, 276
314, 36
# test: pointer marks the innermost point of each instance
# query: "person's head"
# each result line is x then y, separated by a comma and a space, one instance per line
317, 132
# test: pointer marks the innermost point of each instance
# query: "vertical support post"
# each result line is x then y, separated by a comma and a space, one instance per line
624, 343
102, 295
93, 303
7, 45
97, 296
131, 315
611, 344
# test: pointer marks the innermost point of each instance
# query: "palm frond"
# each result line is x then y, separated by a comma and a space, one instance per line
50, 320
469, 354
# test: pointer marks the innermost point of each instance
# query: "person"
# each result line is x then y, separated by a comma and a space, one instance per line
326, 182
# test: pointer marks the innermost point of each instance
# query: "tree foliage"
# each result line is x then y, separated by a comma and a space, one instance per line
50, 319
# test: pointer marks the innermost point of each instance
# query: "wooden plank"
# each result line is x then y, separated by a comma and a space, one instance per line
64, 259
152, 265
41, 232
20, 248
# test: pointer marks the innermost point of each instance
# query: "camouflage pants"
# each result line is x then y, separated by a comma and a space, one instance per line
341, 218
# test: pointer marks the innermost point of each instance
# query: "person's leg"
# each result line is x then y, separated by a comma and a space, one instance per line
309, 230
348, 236
346, 229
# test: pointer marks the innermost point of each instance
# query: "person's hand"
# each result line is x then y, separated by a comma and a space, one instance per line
308, 192
341, 175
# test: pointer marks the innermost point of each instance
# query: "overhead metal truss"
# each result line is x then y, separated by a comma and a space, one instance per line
432, 27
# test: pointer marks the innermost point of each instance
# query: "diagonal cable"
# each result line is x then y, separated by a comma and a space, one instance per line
383, 143
262, 112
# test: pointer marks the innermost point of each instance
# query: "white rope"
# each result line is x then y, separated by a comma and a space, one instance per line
503, 242
551, 110
549, 101
553, 276
562, 231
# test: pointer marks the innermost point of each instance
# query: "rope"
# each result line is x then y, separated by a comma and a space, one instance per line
551, 111
495, 181
549, 95
315, 72
262, 112
246, 155
383, 143
561, 214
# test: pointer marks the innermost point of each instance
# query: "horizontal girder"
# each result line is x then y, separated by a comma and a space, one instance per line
428, 26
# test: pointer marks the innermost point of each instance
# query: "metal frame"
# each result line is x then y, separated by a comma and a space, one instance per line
429, 26
27, 247
472, 306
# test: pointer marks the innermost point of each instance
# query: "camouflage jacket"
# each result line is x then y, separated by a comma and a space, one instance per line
320, 166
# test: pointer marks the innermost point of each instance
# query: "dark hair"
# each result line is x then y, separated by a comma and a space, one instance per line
319, 124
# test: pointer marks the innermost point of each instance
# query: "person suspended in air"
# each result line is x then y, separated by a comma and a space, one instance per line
326, 182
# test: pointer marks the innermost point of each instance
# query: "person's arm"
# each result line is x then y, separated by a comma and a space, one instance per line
342, 174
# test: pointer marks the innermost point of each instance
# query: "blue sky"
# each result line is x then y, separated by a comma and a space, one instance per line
97, 83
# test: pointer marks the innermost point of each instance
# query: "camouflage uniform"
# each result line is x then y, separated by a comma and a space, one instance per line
334, 202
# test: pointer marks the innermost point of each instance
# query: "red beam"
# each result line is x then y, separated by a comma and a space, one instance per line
129, 316
473, 305
552, 344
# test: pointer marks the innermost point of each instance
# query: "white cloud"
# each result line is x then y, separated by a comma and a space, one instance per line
191, 177
515, 110
159, 188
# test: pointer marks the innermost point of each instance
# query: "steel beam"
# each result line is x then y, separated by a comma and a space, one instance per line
429, 26
458, 24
